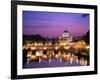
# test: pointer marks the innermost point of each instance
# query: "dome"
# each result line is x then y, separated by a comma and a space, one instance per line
65, 34
65, 31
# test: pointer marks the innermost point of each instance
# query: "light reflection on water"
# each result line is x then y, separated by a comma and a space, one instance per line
40, 60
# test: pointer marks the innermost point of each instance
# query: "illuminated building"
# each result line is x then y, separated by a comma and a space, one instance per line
81, 44
65, 39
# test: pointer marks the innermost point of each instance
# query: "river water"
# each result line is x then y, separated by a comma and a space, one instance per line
51, 63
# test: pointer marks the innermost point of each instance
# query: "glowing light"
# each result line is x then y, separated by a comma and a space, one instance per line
33, 48
33, 57
28, 60
28, 45
24, 47
65, 47
44, 48
37, 53
29, 54
45, 56
39, 60
49, 59
56, 47
71, 60
56, 56
35, 44
87, 47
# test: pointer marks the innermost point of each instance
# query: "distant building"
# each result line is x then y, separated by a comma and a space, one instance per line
65, 38
81, 44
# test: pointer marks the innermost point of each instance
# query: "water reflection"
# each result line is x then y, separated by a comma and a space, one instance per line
31, 56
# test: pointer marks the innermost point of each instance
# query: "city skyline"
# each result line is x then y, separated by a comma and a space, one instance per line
52, 24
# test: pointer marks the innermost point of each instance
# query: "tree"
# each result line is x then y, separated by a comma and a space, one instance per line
87, 37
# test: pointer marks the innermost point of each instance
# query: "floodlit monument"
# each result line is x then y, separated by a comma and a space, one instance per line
65, 38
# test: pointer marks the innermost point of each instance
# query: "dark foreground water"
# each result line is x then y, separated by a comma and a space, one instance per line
53, 63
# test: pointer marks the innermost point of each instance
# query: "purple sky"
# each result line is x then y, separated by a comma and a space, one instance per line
52, 24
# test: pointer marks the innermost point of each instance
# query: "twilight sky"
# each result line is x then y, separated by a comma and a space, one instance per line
52, 24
